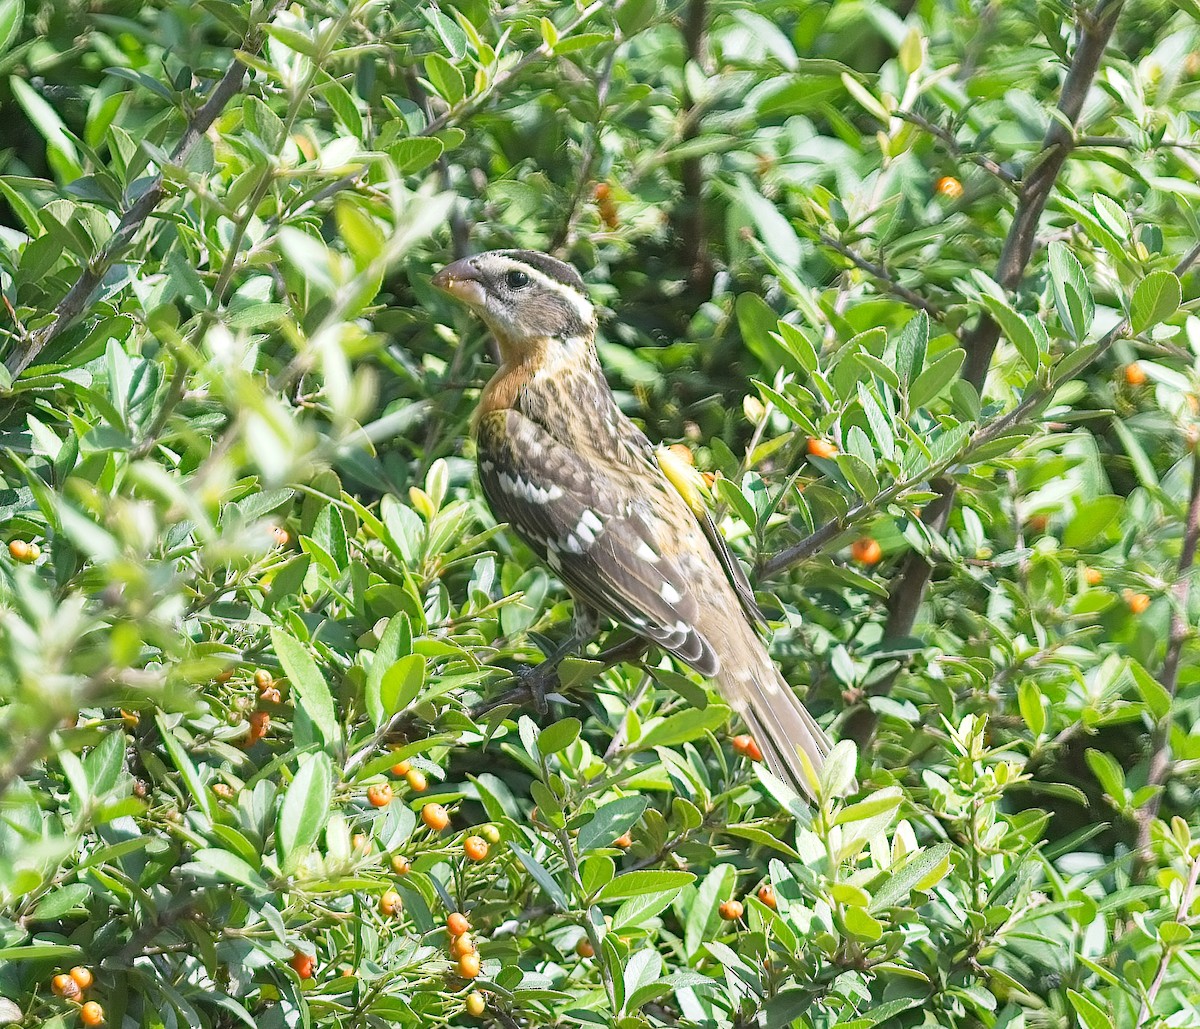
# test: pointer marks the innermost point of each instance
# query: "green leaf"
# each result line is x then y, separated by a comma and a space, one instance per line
558, 736
639, 910
685, 726
910, 348
308, 684
396, 642
1091, 518
936, 377
414, 154
887, 799
1107, 772
861, 924
542, 877
446, 79
609, 822
1072, 294
1155, 299
305, 810
230, 866
41, 952
60, 148
1029, 700
1091, 1015
914, 873
634, 884
1015, 329
402, 684
11, 13
187, 770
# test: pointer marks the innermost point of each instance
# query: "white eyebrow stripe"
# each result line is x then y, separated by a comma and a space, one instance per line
583, 306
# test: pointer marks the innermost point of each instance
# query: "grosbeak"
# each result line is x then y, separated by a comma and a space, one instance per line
582, 486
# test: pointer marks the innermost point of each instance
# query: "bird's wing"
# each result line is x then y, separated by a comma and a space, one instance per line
605, 530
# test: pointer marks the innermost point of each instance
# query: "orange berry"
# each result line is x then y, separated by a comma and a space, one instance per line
475, 847
303, 964
949, 187
360, 841
281, 536
379, 794
401, 865
1135, 374
585, 949
746, 746
91, 1014
1092, 576
83, 976
263, 679
821, 448
766, 893
624, 841
271, 696
683, 452
475, 1005
468, 965
417, 782
435, 816
24, 552
461, 945
260, 722
1038, 522
457, 923
63, 985
732, 910
390, 904
1138, 602
400, 769
866, 551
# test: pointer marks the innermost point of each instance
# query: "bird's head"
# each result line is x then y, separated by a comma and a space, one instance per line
525, 298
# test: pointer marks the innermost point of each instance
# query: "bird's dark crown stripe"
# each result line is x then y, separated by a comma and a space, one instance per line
557, 270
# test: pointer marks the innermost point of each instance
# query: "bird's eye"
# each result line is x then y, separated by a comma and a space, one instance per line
516, 279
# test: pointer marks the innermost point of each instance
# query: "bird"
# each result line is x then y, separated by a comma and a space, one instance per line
585, 489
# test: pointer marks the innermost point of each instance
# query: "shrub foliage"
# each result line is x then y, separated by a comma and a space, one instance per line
913, 280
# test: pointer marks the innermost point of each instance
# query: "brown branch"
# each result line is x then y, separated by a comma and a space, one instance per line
1160, 747
981, 342
908, 589
136, 215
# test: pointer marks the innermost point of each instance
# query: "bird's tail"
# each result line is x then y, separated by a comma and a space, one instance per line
775, 717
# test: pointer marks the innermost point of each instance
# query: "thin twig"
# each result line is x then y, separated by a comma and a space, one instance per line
950, 141
137, 214
588, 157
1183, 915
881, 275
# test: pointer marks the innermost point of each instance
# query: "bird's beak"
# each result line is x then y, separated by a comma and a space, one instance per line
462, 281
